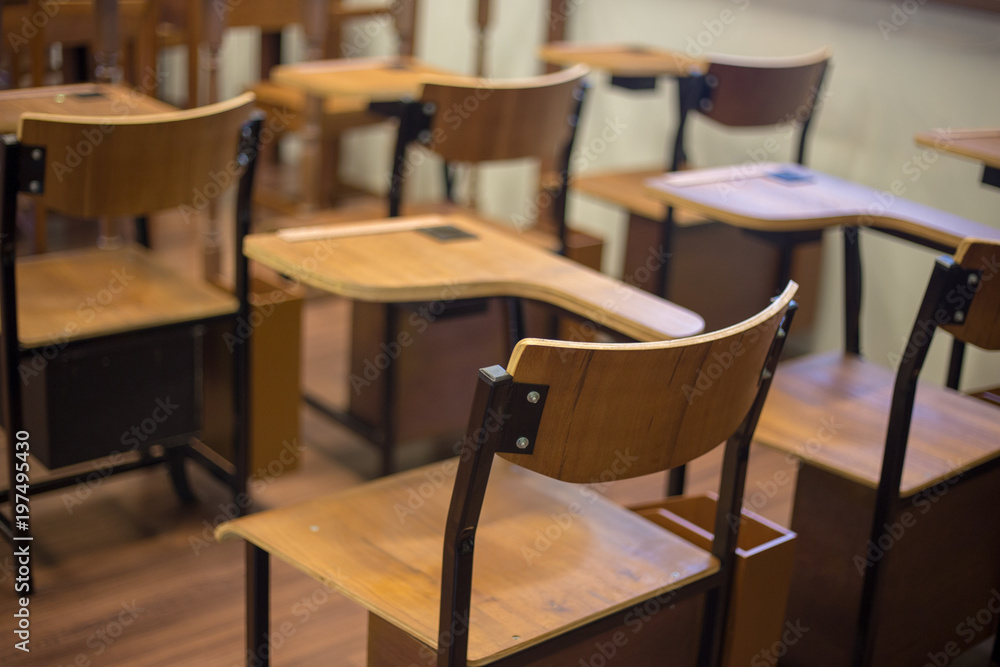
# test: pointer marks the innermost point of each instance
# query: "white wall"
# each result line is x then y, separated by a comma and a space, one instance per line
939, 68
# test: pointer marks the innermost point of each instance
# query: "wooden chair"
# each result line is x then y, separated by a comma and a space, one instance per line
733, 93
895, 505
563, 412
102, 347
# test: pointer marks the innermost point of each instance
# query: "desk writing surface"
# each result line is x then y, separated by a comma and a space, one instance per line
390, 78
981, 145
393, 261
85, 99
751, 196
622, 59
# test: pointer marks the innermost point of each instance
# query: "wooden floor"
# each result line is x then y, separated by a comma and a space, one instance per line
128, 576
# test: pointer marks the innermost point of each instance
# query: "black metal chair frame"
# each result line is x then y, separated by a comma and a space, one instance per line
497, 393
936, 309
24, 171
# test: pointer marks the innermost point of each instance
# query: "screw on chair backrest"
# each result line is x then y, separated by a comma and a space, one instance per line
137, 164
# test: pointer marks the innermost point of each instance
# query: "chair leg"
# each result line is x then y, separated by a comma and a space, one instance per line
178, 475
710, 651
388, 425
258, 606
675, 481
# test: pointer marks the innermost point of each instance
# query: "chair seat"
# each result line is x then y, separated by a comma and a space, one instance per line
627, 189
832, 410
340, 112
79, 294
550, 556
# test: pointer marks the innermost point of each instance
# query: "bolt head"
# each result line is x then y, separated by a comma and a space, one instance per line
35, 186
36, 154
959, 317
522, 442
973, 279
533, 396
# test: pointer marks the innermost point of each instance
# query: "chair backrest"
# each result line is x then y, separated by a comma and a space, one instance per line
755, 92
658, 405
133, 165
480, 120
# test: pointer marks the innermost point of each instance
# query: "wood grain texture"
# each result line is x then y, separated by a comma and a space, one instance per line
666, 403
389, 78
622, 59
380, 545
981, 326
481, 119
832, 410
410, 265
80, 294
147, 162
82, 99
746, 196
981, 145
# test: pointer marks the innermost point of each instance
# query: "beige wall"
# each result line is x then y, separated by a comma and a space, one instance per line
939, 67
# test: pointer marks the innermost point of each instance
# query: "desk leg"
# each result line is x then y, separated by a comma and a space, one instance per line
312, 154
258, 601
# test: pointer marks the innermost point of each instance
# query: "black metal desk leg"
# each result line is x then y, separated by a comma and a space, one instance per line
258, 606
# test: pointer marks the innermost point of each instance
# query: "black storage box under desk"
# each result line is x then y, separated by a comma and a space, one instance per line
96, 398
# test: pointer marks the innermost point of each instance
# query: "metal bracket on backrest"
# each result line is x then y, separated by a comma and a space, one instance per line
527, 402
31, 177
963, 286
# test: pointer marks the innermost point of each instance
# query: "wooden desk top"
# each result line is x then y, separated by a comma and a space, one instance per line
80, 294
391, 261
373, 545
832, 410
623, 59
380, 79
82, 99
982, 145
749, 196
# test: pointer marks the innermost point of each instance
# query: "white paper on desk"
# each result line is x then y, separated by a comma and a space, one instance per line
682, 179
